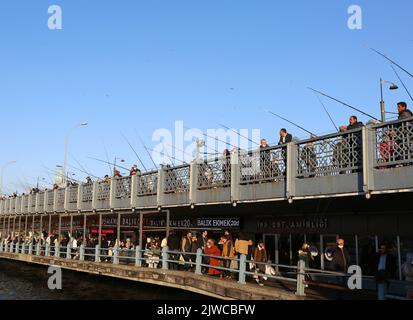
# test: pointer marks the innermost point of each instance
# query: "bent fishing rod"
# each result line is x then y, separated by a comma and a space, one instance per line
392, 61
215, 139
146, 149
236, 132
404, 86
109, 163
170, 157
134, 151
344, 104
325, 109
294, 124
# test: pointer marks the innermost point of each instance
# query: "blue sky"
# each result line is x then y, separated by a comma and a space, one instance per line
135, 65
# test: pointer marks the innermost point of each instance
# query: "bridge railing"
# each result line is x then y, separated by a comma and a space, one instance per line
122, 192
263, 165
394, 144
40, 202
177, 179
147, 184
71, 198
86, 197
343, 163
49, 201
330, 155
214, 173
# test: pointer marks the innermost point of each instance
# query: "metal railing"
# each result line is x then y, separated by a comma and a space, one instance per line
263, 165
330, 155
394, 144
177, 179
148, 184
215, 173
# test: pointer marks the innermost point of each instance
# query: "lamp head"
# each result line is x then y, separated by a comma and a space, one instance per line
393, 87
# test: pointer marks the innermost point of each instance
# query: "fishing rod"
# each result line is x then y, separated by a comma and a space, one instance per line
85, 172
294, 124
216, 139
345, 104
136, 154
61, 175
325, 109
392, 61
181, 161
146, 149
107, 158
236, 132
404, 86
82, 169
108, 163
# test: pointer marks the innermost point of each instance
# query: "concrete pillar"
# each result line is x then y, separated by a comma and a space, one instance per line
141, 229
100, 229
118, 226
168, 223
112, 193
71, 224
291, 170
235, 176
161, 187
368, 153
84, 227
193, 185
50, 224
134, 192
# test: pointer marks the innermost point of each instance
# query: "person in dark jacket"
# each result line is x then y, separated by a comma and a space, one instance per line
173, 245
285, 137
341, 258
385, 264
353, 124
404, 113
186, 247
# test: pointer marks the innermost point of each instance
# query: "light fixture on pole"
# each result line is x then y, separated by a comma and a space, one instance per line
114, 163
3, 168
83, 124
393, 86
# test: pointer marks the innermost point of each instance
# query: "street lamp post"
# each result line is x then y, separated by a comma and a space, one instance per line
393, 86
2, 173
83, 124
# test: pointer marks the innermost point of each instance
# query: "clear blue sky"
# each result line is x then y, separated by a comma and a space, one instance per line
141, 65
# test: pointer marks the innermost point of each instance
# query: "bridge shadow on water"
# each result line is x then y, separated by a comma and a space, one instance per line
23, 281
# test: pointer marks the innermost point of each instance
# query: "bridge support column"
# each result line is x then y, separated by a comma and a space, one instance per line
235, 177
291, 170
138, 256
161, 187
38, 249
193, 184
97, 253
134, 191
118, 227
47, 250
100, 229
50, 224
301, 278
82, 252
198, 268
84, 227
242, 269
116, 255
368, 155
71, 225
165, 258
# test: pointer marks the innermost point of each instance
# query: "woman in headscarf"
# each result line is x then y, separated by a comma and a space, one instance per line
212, 250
